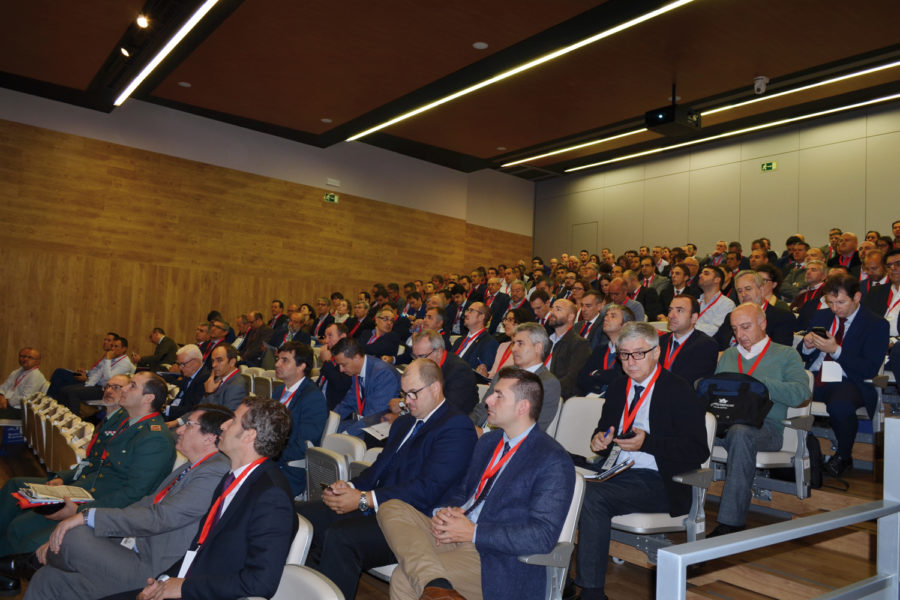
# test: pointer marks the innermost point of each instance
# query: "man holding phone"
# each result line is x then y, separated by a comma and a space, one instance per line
669, 441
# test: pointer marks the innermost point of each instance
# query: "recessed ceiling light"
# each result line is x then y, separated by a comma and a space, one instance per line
501, 148
821, 113
480, 45
184, 84
325, 120
142, 21
125, 52
526, 66
164, 52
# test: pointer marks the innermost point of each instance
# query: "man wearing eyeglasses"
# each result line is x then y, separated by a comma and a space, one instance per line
382, 341
426, 452
663, 441
885, 300
780, 323
194, 373
105, 551
476, 346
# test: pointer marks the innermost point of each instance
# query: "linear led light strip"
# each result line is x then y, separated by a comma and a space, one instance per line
525, 66
170, 45
715, 110
738, 132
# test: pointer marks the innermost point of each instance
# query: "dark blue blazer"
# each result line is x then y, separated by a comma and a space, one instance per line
245, 551
594, 377
523, 513
308, 415
594, 335
450, 314
425, 467
282, 335
697, 358
381, 382
460, 389
319, 331
191, 394
482, 351
338, 383
385, 345
862, 351
499, 306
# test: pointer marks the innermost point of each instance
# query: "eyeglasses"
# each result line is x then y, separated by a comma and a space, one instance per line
185, 363
412, 394
417, 356
191, 424
113, 386
384, 318
638, 355
892, 265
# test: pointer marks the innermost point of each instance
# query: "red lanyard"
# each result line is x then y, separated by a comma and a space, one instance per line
891, 307
355, 327
505, 356
122, 428
360, 399
229, 376
162, 493
469, 339
586, 328
489, 300
716, 299
287, 403
492, 470
758, 358
97, 363
22, 376
628, 415
443, 358
606, 359
117, 361
210, 348
517, 304
671, 356
373, 338
207, 525
649, 280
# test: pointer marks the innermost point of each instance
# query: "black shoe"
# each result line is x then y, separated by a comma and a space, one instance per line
10, 587
838, 465
19, 566
723, 529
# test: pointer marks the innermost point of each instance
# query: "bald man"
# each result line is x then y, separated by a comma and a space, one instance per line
846, 254
569, 351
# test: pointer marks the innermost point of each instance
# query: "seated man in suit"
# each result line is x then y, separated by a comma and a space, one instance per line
293, 333
194, 374
137, 454
508, 504
460, 389
618, 293
602, 368
164, 353
307, 406
21, 383
497, 302
809, 301
477, 347
780, 369
780, 323
324, 317
650, 278
846, 255
852, 351
373, 385
657, 421
684, 350
426, 452
680, 275
333, 383
382, 341
885, 300
591, 325
254, 347
242, 545
225, 386
279, 320
109, 550
568, 350
530, 349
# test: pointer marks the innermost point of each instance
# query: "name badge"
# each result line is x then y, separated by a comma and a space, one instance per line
129, 543
612, 458
831, 371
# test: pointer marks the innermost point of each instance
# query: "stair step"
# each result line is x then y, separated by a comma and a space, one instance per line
720, 590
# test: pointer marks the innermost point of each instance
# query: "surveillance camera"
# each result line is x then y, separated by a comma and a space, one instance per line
759, 84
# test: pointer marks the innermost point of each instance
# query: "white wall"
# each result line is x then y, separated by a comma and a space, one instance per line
484, 198
842, 171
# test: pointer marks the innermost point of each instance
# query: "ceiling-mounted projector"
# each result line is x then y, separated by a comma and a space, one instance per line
672, 120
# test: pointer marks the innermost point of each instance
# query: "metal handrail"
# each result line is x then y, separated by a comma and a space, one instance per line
672, 562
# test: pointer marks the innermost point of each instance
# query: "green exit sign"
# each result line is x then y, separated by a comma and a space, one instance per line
331, 197
769, 166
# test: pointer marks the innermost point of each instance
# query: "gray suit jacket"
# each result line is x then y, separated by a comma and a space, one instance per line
230, 394
552, 393
164, 531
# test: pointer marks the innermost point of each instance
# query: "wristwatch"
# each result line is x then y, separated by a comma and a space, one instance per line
363, 502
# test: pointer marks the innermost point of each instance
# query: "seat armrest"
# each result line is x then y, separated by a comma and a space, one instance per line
299, 464
804, 423
879, 381
558, 557
698, 478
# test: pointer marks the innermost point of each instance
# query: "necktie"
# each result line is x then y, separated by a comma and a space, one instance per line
638, 390
415, 431
229, 479
490, 482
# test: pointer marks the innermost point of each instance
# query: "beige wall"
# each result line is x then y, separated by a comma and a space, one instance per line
843, 171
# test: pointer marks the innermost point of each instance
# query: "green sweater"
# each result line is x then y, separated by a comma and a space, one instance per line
780, 370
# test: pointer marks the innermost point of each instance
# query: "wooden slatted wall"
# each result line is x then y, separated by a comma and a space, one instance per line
98, 236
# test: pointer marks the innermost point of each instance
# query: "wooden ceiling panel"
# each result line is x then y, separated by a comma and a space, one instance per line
706, 47
294, 63
63, 43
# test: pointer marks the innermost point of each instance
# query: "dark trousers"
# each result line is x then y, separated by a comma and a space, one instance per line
73, 395
343, 546
58, 380
841, 398
635, 490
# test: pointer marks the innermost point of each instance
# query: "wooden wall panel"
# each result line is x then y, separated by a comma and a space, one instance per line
99, 237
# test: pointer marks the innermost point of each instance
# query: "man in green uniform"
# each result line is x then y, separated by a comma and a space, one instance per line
129, 456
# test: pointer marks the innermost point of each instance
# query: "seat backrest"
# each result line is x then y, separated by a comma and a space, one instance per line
568, 531
302, 582
577, 421
323, 466
710, 420
554, 424
482, 390
262, 386
349, 445
331, 425
248, 382
302, 540
270, 373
